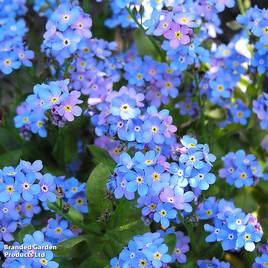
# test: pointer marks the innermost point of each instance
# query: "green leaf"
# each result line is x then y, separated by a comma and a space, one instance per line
144, 45
8, 140
10, 158
29, 229
120, 236
96, 191
125, 212
94, 261
244, 200
75, 214
101, 156
67, 247
170, 241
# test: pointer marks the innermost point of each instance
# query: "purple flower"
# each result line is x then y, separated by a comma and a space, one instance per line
68, 109
178, 35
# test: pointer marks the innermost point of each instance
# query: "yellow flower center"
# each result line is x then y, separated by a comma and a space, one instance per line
139, 76
152, 206
29, 207
168, 84
243, 175
154, 129
79, 201
86, 50
68, 108
7, 62
157, 255
25, 119
139, 179
125, 107
239, 114
43, 261
209, 212
178, 35
156, 176
184, 20
265, 30
220, 87
58, 230
247, 237
10, 189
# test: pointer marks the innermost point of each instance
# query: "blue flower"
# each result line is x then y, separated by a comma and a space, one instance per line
207, 209
164, 213
142, 161
64, 16
153, 131
8, 62
136, 182
247, 238
25, 185
201, 178
8, 190
125, 107
58, 230
158, 255
237, 221
47, 188
79, 202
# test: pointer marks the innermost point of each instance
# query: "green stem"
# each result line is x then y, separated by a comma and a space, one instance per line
241, 6
200, 103
190, 232
259, 84
159, 50
66, 67
79, 224
86, 6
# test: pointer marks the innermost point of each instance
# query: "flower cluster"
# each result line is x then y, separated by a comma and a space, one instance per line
21, 189
226, 68
240, 169
256, 22
164, 188
54, 102
13, 52
24, 190
93, 69
35, 251
231, 226
66, 28
260, 108
123, 115
148, 250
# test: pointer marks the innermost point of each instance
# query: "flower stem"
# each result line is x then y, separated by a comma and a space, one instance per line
190, 232
152, 40
200, 103
79, 224
241, 6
